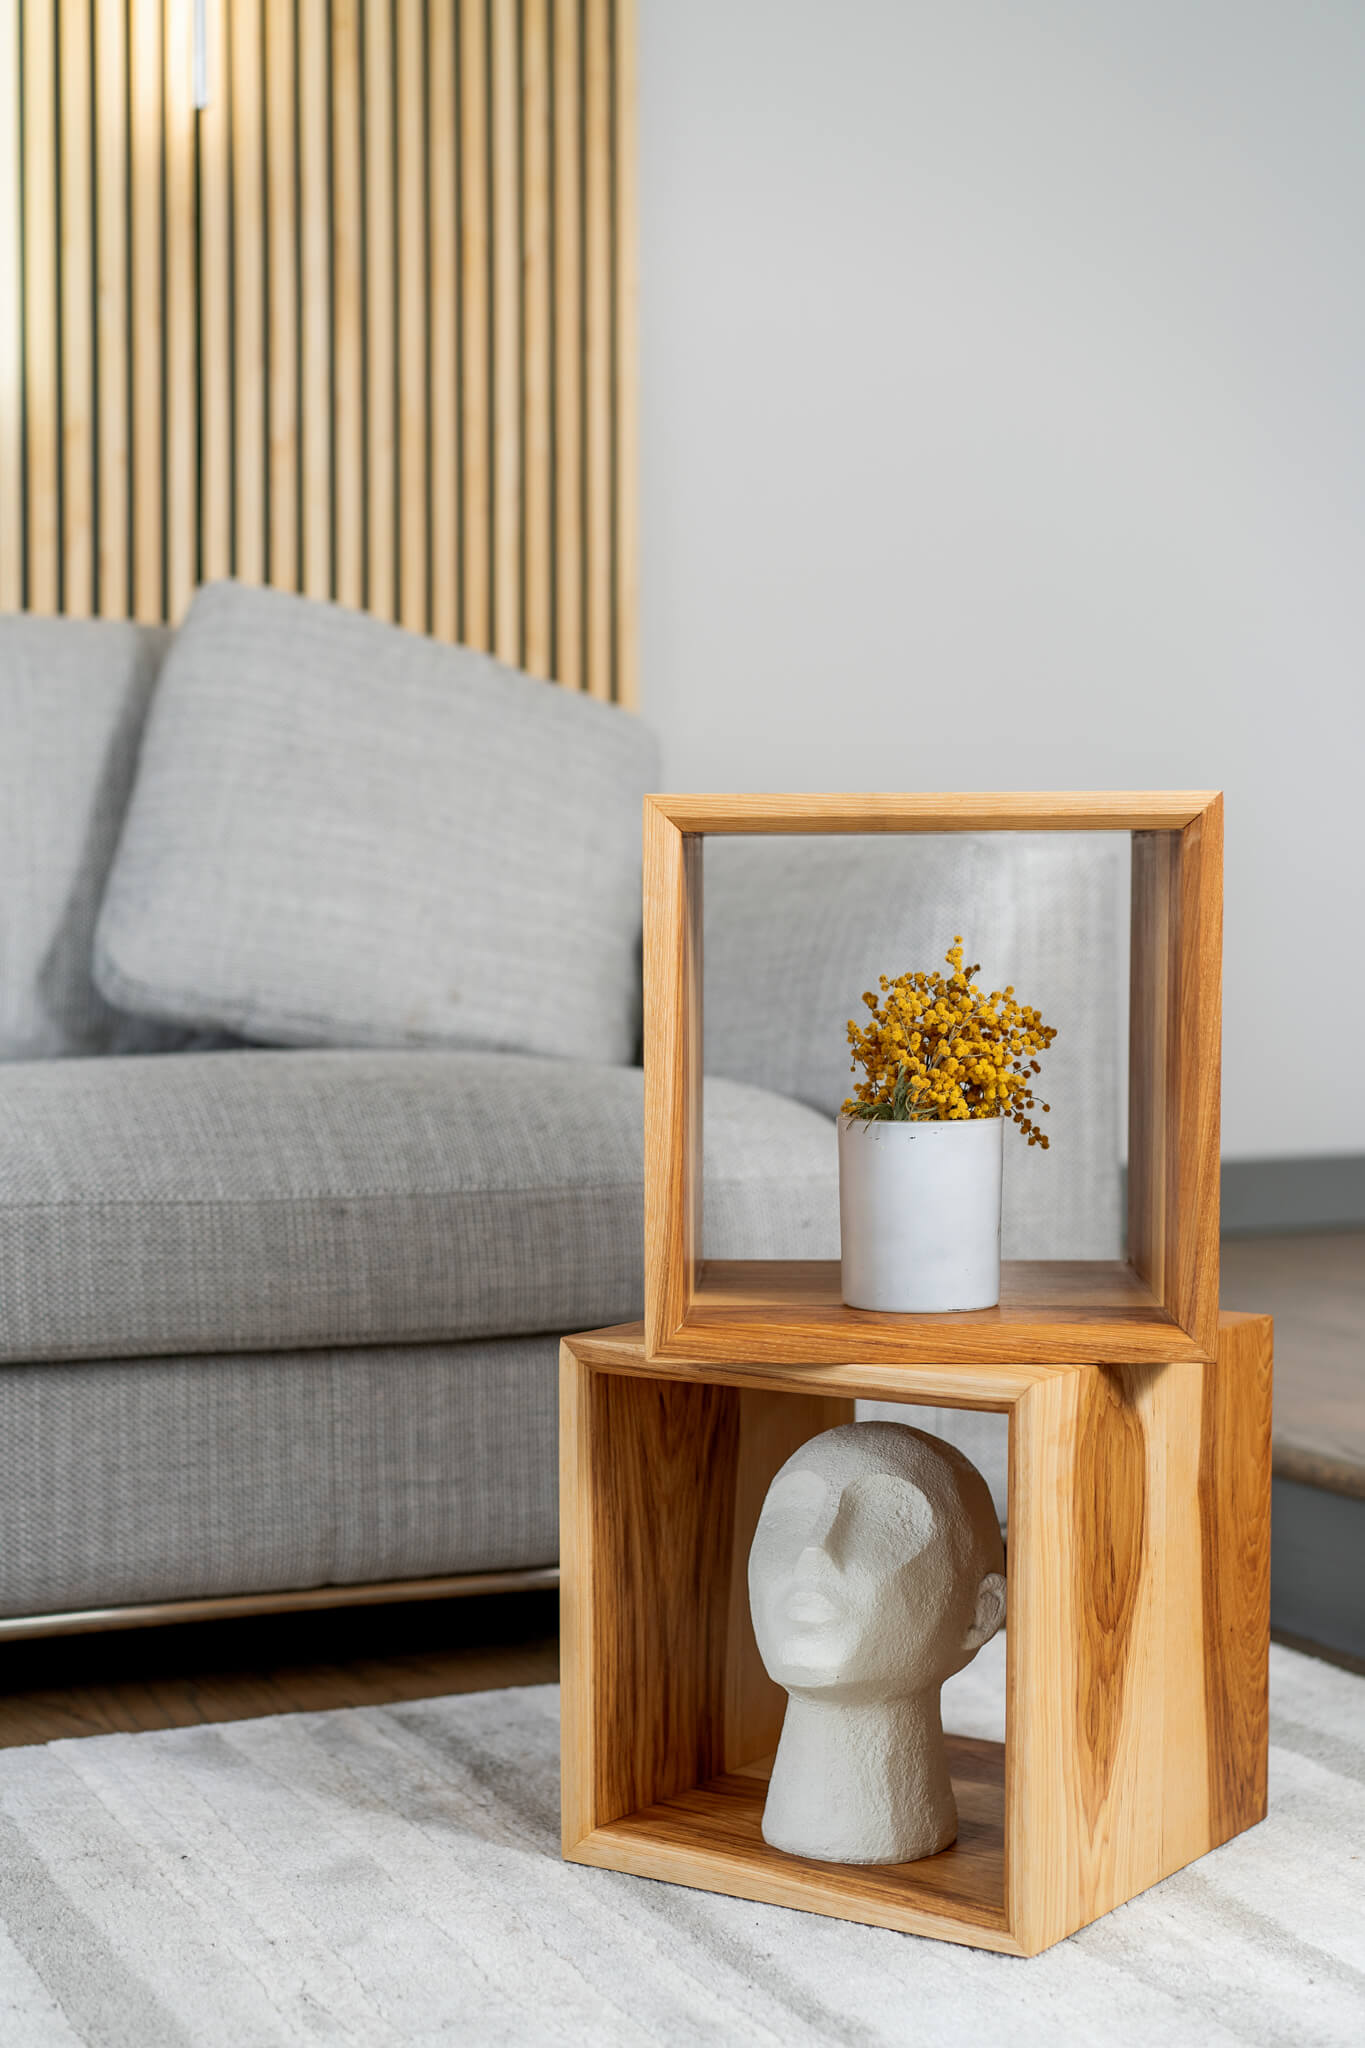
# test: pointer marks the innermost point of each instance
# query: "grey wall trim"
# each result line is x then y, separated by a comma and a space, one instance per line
1316, 1592
1262, 1195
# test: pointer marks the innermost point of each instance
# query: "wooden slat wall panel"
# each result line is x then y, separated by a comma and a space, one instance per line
413, 329
181, 318
42, 417
246, 85
77, 312
361, 324
348, 318
11, 311
215, 307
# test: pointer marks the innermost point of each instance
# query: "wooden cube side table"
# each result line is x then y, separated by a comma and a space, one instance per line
1159, 1303
1137, 1630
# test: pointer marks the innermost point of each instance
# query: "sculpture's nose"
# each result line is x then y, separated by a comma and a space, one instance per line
816, 1554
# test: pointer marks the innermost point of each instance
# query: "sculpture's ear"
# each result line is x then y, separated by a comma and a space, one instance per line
990, 1610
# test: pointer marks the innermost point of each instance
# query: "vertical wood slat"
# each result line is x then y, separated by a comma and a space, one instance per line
381, 592
248, 291
413, 593
597, 343
348, 288
476, 499
315, 301
147, 330
76, 131
362, 324
282, 286
625, 605
111, 308
443, 267
181, 316
504, 96
41, 392
568, 320
215, 307
537, 332
11, 311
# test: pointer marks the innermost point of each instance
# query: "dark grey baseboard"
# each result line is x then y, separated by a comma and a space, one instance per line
1265, 1195
1317, 1590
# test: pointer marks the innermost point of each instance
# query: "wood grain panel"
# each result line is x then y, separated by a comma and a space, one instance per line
537, 339
12, 480
505, 142
315, 299
1175, 1036
215, 308
1084, 1311
181, 372
1007, 810
626, 415
348, 300
381, 415
711, 1838
111, 309
1109, 1511
413, 427
647, 1470
475, 369
282, 296
248, 292
444, 266
568, 317
42, 359
673, 1040
598, 340
78, 311
1234, 1511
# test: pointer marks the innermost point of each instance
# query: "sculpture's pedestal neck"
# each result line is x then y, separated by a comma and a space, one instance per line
861, 1784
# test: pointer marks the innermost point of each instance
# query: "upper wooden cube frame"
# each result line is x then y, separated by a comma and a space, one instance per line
1162, 1303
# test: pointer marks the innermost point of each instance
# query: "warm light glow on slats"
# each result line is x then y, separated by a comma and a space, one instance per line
360, 325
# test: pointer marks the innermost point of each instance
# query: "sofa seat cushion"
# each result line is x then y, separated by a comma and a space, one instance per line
259, 1200
342, 833
73, 696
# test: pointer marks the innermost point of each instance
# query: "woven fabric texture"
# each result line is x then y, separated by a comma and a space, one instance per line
344, 834
243, 1201
178, 1478
797, 928
73, 696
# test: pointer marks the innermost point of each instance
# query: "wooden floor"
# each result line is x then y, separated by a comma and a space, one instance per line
1314, 1286
130, 1679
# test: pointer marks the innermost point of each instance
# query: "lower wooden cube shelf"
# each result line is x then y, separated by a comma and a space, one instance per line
1137, 1631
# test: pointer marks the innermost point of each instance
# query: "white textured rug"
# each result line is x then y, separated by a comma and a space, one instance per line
391, 1876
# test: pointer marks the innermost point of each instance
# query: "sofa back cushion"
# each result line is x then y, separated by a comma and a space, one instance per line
73, 696
344, 834
796, 929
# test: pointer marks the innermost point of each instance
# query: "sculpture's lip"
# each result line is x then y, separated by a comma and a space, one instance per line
808, 1605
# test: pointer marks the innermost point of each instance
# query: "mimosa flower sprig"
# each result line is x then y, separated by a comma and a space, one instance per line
939, 1050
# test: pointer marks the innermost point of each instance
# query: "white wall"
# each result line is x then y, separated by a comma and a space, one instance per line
1004, 426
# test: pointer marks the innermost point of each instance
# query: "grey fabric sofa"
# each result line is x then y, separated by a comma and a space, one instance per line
320, 1117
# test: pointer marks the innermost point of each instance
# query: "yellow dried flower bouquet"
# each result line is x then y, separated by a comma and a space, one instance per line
938, 1049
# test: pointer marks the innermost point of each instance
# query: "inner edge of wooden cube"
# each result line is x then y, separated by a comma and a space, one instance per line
1175, 955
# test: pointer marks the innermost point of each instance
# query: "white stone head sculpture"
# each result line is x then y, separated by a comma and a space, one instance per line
876, 1572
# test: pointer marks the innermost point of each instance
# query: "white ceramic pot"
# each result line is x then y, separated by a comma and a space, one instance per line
919, 1214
